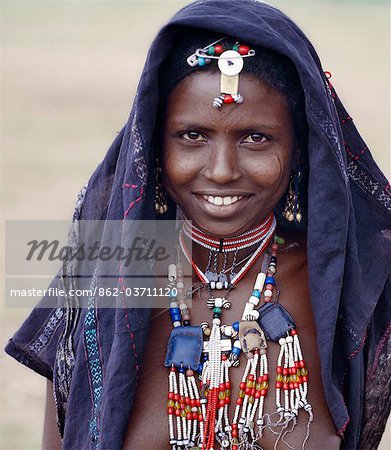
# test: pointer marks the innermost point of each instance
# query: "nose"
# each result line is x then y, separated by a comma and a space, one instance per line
223, 164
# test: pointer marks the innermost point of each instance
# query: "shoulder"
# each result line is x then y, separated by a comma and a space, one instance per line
292, 254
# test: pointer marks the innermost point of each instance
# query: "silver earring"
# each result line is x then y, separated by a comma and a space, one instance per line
161, 205
292, 211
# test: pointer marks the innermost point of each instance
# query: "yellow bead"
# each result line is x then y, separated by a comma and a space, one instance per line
170, 403
241, 394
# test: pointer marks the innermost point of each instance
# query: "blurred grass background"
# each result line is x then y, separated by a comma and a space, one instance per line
68, 76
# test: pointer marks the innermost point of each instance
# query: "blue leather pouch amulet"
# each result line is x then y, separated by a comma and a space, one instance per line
275, 321
184, 348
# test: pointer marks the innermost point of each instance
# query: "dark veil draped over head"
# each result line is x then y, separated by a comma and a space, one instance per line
349, 252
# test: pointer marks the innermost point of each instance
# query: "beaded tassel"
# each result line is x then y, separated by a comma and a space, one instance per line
292, 380
213, 381
287, 406
261, 390
184, 397
302, 379
239, 403
174, 409
223, 428
252, 388
251, 397
248, 401
194, 416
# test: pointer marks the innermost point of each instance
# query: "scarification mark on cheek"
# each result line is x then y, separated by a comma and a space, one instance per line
270, 170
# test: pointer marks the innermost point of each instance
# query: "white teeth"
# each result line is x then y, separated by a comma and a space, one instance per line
218, 201
222, 200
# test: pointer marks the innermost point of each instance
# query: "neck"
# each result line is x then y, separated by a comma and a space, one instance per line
219, 255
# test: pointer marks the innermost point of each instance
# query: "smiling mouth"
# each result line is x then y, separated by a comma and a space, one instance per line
213, 207
222, 201
222, 206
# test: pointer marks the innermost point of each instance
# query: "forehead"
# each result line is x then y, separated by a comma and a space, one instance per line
192, 102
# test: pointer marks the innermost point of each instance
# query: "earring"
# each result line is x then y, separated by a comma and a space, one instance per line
161, 205
292, 212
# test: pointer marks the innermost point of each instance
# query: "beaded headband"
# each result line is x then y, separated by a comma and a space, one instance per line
230, 63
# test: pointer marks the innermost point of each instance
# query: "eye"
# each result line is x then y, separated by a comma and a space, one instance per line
256, 138
192, 136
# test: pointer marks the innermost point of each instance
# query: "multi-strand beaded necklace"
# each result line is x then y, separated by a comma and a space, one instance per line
198, 414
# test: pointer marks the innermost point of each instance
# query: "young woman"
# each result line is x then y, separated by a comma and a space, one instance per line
235, 128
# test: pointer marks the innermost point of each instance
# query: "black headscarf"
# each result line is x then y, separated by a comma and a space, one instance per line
349, 252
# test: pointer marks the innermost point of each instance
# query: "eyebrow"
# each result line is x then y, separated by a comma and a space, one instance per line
183, 125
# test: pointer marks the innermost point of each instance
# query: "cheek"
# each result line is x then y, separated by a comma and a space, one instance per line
269, 170
178, 169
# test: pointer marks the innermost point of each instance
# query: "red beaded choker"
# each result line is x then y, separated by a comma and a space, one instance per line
229, 244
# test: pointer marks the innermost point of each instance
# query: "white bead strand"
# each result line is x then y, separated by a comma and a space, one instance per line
182, 393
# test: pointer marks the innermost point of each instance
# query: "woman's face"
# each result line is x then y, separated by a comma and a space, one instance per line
226, 168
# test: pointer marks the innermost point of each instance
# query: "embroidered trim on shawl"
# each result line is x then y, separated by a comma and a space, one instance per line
39, 343
79, 201
137, 142
93, 356
369, 185
321, 121
140, 167
65, 357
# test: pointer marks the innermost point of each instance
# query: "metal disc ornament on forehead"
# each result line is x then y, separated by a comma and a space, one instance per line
230, 63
